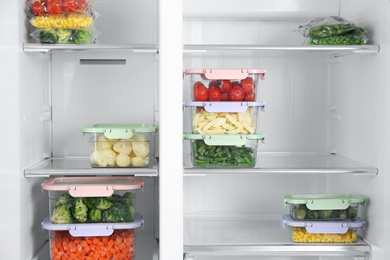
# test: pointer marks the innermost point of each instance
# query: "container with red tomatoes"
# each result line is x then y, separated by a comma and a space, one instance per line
224, 84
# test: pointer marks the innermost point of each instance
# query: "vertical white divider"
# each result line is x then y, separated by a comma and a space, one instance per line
171, 130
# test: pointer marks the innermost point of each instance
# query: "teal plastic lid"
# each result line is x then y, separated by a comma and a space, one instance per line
119, 131
224, 139
324, 201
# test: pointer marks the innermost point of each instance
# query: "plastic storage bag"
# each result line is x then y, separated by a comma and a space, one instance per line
75, 20
64, 36
54, 7
333, 30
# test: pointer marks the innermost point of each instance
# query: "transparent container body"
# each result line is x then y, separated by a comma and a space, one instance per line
204, 122
119, 246
133, 152
300, 212
65, 209
223, 156
301, 235
231, 85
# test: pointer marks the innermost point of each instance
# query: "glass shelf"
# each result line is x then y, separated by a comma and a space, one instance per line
234, 234
308, 163
76, 166
36, 47
278, 51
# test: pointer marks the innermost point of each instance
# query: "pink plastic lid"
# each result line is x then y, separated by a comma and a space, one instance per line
92, 186
209, 74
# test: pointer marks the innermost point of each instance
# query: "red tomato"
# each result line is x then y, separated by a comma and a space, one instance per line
83, 5
248, 85
226, 85
198, 84
214, 94
236, 83
224, 97
236, 94
70, 5
250, 96
54, 6
38, 8
213, 83
201, 93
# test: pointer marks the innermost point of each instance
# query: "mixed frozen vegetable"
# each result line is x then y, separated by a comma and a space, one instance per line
120, 153
118, 246
300, 212
213, 155
64, 36
93, 209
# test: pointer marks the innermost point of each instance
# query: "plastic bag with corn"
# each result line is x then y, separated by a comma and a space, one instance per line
75, 20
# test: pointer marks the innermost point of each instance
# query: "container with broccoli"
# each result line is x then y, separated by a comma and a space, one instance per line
324, 206
72, 201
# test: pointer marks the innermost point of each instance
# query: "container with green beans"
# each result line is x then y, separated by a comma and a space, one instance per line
208, 151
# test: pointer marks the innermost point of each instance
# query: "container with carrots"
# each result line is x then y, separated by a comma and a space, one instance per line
93, 241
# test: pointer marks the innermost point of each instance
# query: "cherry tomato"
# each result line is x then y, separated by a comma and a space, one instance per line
38, 8
213, 83
236, 94
83, 5
70, 5
250, 96
248, 85
214, 94
198, 84
236, 83
201, 93
54, 6
226, 85
224, 97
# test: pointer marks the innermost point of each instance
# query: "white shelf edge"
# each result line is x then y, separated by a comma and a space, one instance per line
46, 48
39, 170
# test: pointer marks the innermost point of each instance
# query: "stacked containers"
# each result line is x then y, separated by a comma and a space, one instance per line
120, 145
323, 218
224, 117
61, 21
92, 217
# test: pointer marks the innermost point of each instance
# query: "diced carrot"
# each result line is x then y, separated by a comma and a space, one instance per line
105, 240
121, 246
111, 242
95, 241
83, 243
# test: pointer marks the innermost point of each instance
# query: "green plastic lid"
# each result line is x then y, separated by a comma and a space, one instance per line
119, 131
324, 201
224, 139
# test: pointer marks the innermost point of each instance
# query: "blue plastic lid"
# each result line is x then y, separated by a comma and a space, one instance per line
225, 107
93, 229
323, 227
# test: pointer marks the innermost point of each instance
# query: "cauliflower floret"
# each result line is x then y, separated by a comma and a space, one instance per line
104, 158
123, 160
122, 147
138, 161
103, 142
139, 138
141, 149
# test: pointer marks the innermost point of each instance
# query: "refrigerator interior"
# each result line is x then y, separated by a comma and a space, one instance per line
56, 92
316, 104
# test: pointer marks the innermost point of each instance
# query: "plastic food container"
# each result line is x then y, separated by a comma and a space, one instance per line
223, 151
224, 117
95, 241
92, 199
324, 206
120, 145
230, 85
305, 231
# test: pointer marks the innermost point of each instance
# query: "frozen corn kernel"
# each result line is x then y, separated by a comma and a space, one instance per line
301, 235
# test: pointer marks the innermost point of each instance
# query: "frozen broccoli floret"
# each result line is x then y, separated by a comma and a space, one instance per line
128, 198
343, 214
48, 36
63, 199
325, 214
95, 215
300, 211
61, 215
82, 37
115, 198
64, 35
108, 216
312, 214
352, 213
79, 210
98, 203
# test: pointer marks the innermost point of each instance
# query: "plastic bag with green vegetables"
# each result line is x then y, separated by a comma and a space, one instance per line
64, 36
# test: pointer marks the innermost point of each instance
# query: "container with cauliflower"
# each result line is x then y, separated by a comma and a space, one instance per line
92, 199
224, 117
120, 145
308, 231
224, 151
